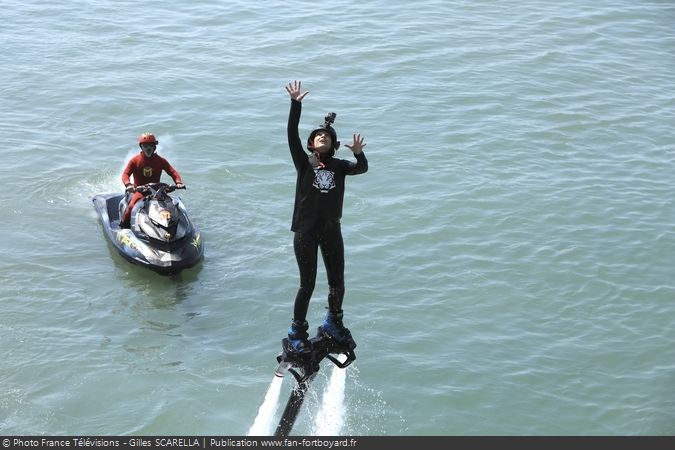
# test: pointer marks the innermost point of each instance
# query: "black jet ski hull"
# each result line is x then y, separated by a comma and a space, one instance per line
164, 259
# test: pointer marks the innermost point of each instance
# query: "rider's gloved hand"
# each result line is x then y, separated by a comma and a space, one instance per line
180, 186
130, 188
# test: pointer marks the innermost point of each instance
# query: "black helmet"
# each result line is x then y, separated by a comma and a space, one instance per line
326, 126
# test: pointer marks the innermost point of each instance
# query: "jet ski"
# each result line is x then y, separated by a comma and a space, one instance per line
162, 237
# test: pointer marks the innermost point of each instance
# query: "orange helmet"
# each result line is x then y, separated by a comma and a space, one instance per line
148, 138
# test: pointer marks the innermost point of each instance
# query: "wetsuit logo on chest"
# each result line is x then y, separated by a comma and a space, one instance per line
324, 180
147, 171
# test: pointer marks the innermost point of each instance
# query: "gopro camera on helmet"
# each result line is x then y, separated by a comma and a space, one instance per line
330, 117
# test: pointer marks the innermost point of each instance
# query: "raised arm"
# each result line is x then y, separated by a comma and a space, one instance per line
294, 142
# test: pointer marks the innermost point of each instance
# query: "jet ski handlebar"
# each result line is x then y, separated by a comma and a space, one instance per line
157, 190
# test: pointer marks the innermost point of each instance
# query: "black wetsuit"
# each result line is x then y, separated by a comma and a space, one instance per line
319, 193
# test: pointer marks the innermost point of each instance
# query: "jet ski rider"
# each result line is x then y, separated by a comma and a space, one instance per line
146, 167
319, 195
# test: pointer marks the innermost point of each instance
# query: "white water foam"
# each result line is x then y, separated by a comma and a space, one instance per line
263, 423
330, 419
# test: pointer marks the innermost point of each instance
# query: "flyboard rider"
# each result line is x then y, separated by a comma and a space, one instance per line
319, 194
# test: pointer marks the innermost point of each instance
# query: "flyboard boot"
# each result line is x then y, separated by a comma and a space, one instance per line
298, 338
301, 356
335, 330
332, 327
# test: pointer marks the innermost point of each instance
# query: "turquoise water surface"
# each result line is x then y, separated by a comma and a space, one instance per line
509, 254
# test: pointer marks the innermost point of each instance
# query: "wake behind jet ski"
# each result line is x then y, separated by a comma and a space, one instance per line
162, 237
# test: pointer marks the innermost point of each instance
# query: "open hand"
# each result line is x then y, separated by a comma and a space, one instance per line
357, 146
294, 90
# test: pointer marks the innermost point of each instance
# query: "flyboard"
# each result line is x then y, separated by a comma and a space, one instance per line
304, 368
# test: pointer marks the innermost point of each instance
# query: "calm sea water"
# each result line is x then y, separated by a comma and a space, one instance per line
510, 253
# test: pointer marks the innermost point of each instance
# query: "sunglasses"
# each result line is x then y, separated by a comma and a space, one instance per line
148, 145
